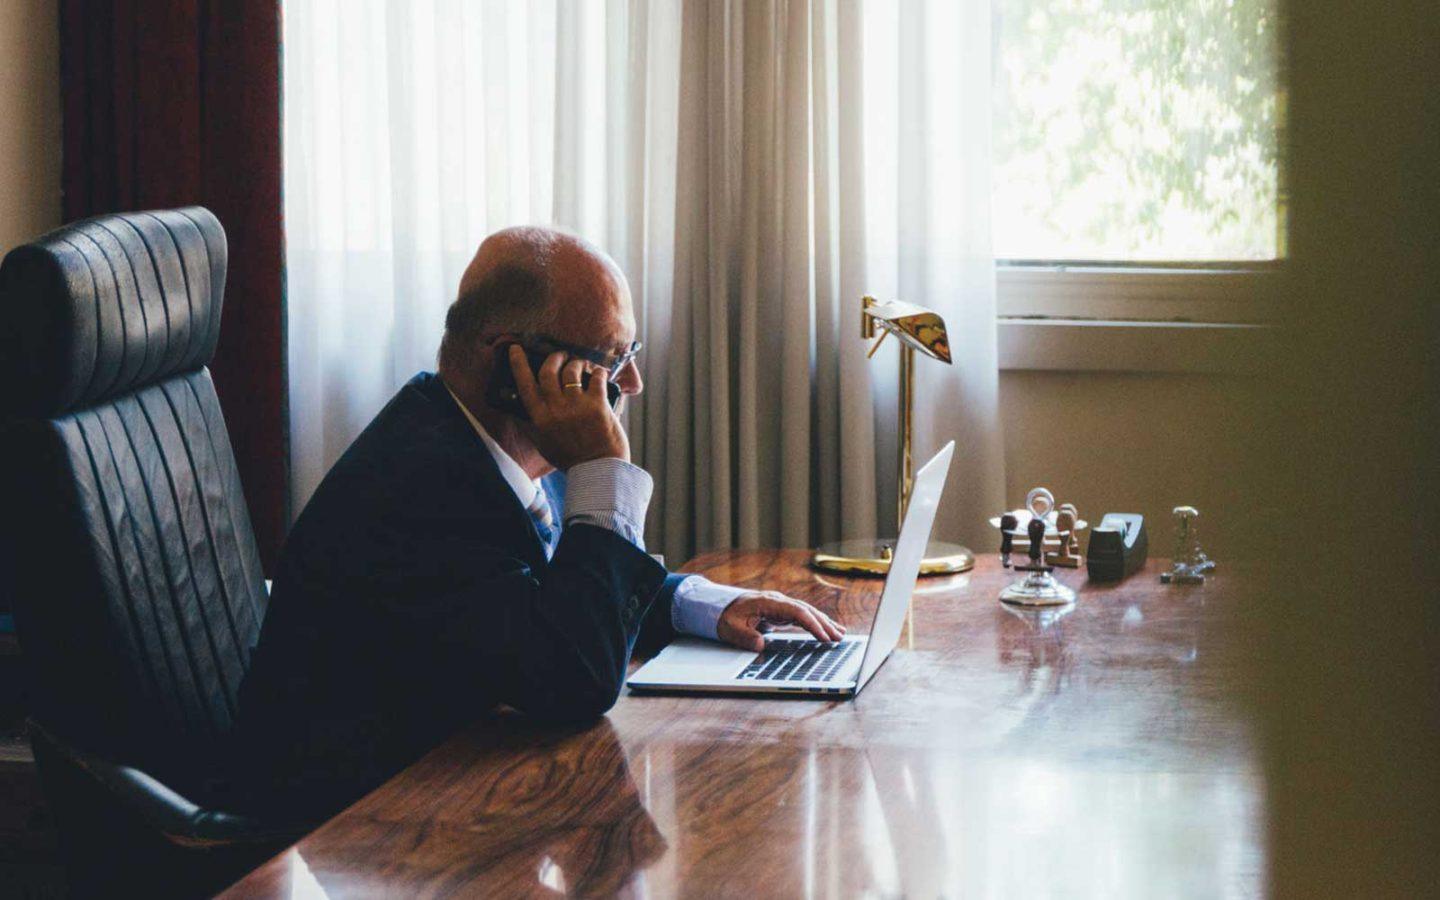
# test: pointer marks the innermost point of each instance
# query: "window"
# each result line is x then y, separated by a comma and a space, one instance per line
1137, 169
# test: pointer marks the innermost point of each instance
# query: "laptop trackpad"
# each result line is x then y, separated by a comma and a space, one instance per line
694, 659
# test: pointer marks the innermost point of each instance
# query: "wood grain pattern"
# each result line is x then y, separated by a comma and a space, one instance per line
1094, 753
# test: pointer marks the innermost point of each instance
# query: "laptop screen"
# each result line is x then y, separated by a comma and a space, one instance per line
905, 566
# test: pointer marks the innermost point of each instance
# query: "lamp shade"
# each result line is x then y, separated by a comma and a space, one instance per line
916, 326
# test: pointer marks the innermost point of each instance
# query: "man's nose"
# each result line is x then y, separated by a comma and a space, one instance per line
629, 380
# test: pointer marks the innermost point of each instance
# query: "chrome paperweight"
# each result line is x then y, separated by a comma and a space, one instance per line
1035, 529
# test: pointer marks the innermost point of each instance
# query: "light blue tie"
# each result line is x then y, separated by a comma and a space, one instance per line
539, 510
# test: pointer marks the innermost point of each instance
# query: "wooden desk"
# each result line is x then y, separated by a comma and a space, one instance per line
1094, 753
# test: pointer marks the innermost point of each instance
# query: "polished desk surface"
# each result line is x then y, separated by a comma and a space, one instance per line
1097, 753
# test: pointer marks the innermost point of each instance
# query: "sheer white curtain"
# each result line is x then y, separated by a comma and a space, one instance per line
413, 130
928, 236
755, 167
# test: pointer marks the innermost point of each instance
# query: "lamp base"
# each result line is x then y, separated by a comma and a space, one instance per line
871, 556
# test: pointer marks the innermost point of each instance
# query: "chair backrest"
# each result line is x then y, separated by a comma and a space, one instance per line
136, 584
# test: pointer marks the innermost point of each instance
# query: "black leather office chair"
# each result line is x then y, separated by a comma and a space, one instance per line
137, 588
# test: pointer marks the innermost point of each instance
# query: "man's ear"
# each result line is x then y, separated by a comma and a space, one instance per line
492, 352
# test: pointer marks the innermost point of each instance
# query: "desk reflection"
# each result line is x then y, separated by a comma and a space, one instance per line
836, 822
1033, 642
504, 810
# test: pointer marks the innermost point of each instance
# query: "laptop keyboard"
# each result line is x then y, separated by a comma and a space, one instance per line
799, 661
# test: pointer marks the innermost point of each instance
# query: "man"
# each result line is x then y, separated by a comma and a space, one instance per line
461, 557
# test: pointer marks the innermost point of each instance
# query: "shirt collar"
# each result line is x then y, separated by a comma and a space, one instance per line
525, 487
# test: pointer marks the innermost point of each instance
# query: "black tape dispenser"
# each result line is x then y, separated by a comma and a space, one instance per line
1118, 547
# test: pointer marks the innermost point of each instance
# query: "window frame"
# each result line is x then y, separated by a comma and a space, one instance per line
1105, 316
1221, 292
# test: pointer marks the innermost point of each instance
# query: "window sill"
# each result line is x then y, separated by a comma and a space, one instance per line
1092, 345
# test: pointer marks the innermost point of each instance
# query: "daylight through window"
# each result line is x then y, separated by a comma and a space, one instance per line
1137, 130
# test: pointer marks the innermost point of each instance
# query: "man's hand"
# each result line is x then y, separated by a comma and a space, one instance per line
570, 424
744, 622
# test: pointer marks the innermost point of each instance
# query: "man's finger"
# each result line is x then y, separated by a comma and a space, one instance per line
741, 628
572, 374
800, 614
524, 380
749, 637
832, 628
549, 379
833, 631
598, 379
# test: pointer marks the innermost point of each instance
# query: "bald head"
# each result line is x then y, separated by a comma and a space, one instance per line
531, 280
525, 248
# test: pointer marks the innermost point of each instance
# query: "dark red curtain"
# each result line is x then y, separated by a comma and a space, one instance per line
173, 102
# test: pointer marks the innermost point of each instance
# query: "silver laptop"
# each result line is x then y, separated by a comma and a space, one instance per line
797, 663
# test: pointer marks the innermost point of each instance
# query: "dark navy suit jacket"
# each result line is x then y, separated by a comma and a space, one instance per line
413, 596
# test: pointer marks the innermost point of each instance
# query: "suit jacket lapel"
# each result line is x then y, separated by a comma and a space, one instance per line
496, 487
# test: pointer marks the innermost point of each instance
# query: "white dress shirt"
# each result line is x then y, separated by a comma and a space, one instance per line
614, 494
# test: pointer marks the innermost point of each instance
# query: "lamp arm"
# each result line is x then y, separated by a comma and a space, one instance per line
907, 432
876, 346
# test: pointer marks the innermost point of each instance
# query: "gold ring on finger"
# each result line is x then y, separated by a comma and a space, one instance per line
572, 384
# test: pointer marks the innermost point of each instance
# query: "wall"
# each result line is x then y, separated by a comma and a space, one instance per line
30, 111
1121, 442
1350, 687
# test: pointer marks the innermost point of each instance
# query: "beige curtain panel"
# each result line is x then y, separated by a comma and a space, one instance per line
755, 167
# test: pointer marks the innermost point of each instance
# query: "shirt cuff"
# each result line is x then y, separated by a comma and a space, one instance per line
609, 493
698, 603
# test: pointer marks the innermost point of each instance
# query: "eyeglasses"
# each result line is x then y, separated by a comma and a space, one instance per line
612, 363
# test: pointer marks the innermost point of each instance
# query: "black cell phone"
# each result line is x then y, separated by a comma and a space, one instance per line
503, 394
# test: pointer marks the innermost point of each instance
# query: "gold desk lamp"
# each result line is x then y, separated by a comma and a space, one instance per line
919, 329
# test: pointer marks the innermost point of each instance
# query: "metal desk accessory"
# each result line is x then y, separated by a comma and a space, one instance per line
917, 329
1190, 563
1118, 547
1037, 527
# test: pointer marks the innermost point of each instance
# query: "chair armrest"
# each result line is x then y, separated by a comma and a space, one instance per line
179, 819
